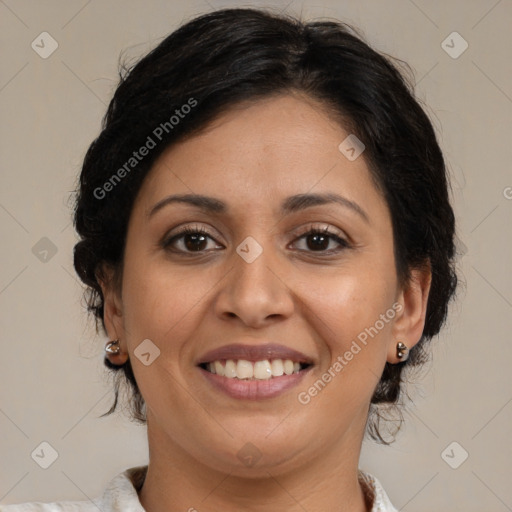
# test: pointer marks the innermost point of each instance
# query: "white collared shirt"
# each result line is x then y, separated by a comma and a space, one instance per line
120, 495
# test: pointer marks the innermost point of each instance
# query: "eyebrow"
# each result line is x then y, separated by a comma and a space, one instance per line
290, 204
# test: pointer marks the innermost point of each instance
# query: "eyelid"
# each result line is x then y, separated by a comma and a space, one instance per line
188, 227
318, 226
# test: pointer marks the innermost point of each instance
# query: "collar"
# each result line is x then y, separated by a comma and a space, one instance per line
121, 494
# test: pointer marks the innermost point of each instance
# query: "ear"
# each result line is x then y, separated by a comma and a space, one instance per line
113, 314
410, 320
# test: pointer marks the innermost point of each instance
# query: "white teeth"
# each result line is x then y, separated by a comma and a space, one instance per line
260, 370
244, 369
230, 369
288, 367
219, 369
277, 367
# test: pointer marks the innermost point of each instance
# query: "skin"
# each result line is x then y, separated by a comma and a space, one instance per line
252, 158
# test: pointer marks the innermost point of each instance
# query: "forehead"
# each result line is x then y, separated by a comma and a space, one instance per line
256, 154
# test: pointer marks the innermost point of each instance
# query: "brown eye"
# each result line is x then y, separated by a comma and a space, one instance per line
190, 240
318, 240
194, 241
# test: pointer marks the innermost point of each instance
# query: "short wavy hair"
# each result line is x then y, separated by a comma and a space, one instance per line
234, 55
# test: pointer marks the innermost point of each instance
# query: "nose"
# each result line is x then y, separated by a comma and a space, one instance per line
255, 293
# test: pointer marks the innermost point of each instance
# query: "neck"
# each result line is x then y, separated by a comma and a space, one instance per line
175, 481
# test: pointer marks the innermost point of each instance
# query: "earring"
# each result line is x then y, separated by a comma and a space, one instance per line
112, 347
402, 352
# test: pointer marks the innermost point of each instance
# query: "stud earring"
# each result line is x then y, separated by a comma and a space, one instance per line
402, 352
112, 347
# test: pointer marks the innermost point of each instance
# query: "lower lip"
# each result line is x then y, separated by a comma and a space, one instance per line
254, 389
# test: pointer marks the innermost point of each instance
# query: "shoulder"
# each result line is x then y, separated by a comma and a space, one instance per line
376, 493
120, 494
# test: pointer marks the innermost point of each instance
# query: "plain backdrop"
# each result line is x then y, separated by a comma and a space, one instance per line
53, 383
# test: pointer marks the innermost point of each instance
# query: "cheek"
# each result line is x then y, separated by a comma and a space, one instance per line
346, 313
349, 301
345, 310
161, 302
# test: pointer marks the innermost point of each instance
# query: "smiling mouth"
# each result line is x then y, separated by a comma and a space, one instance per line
265, 369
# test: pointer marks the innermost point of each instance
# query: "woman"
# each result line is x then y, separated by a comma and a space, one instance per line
268, 242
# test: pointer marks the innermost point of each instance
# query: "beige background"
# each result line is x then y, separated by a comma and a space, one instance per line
53, 384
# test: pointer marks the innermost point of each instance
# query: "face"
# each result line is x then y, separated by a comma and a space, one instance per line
290, 257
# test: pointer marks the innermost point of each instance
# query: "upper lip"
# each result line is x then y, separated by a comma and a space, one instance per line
254, 353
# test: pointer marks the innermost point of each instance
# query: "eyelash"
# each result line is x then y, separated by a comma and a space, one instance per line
343, 244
